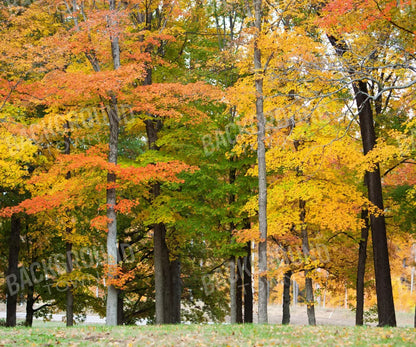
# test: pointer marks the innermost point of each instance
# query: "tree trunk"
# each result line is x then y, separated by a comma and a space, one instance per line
261, 157
13, 270
239, 290
248, 291
30, 301
111, 213
120, 307
306, 253
163, 277
362, 257
68, 230
385, 303
233, 291
120, 294
159, 276
113, 117
176, 291
286, 297
69, 290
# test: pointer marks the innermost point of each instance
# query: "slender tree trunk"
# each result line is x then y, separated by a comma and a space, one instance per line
239, 290
30, 301
362, 257
261, 157
113, 117
248, 287
68, 256
233, 291
69, 291
385, 302
13, 270
286, 297
111, 213
306, 253
120, 293
167, 281
120, 307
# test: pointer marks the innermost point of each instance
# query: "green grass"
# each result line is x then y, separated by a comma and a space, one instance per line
207, 335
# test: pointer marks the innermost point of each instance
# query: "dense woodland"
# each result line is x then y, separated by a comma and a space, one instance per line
183, 161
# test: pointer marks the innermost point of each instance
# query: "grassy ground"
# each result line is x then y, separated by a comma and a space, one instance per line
208, 335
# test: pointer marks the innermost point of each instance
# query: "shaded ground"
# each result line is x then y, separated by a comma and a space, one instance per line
324, 316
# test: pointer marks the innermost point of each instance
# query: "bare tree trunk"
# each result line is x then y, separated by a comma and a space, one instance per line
158, 240
120, 293
163, 278
261, 157
30, 301
13, 270
120, 307
248, 290
233, 291
69, 293
306, 253
114, 119
239, 290
286, 297
68, 256
362, 257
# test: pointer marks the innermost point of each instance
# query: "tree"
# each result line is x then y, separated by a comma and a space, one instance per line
261, 157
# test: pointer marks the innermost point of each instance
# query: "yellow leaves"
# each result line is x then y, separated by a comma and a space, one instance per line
15, 152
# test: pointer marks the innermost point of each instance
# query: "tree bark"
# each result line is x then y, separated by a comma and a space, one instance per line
164, 295
261, 157
239, 290
69, 290
362, 257
306, 253
385, 303
113, 117
30, 301
233, 291
13, 270
158, 240
120, 293
248, 291
176, 291
120, 307
286, 297
68, 256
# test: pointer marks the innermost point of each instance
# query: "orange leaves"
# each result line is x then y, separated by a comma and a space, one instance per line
172, 100
117, 276
36, 204
124, 206
100, 223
